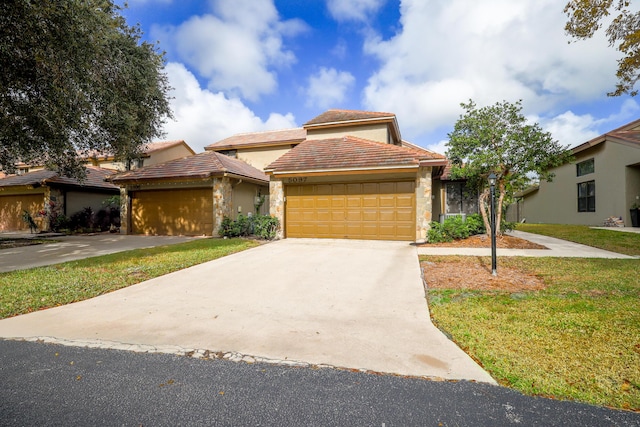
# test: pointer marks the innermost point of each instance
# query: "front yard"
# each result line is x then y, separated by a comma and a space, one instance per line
565, 328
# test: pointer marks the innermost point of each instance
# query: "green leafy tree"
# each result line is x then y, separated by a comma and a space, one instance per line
499, 139
585, 18
75, 80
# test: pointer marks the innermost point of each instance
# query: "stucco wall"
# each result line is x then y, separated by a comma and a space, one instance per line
259, 158
375, 132
557, 201
171, 153
77, 201
244, 195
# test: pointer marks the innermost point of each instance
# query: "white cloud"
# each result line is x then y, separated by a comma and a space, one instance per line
572, 129
353, 10
237, 49
203, 117
449, 52
328, 87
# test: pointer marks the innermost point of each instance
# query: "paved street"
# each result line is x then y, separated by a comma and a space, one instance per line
51, 385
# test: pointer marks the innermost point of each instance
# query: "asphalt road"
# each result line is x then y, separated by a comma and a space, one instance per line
52, 385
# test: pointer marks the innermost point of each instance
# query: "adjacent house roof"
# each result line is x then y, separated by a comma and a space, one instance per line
628, 134
95, 179
349, 153
260, 139
339, 118
201, 166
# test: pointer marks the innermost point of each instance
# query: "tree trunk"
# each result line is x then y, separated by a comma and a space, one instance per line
484, 210
499, 210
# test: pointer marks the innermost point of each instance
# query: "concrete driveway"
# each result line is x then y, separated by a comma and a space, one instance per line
351, 304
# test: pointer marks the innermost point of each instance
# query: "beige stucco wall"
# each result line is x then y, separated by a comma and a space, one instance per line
259, 158
244, 196
375, 132
77, 201
557, 201
171, 153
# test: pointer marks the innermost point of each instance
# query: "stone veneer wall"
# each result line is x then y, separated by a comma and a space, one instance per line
423, 203
276, 204
222, 202
124, 211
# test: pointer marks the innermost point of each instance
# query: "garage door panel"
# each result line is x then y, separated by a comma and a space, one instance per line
172, 212
13, 207
372, 210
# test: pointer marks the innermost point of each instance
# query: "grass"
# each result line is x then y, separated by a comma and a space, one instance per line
24, 291
578, 339
615, 241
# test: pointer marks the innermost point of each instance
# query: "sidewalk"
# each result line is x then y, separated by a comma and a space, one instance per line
556, 248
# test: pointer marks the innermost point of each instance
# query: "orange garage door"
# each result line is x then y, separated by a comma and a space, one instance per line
373, 211
172, 212
12, 208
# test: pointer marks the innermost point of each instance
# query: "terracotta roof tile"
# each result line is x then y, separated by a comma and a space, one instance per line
417, 147
202, 165
274, 137
95, 179
336, 116
632, 136
347, 153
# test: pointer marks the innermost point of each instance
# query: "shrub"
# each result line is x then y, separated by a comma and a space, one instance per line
455, 228
261, 226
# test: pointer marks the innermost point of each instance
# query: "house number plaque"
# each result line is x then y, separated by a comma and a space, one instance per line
297, 180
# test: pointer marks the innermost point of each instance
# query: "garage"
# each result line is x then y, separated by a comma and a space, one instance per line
187, 212
12, 207
360, 210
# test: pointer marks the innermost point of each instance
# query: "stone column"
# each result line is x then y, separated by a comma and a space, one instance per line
222, 202
276, 204
423, 203
125, 204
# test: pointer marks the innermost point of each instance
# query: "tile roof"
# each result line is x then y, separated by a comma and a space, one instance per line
426, 150
273, 137
336, 116
632, 136
201, 166
95, 179
628, 133
348, 153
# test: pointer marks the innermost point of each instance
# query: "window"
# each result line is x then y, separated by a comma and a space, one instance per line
586, 167
587, 196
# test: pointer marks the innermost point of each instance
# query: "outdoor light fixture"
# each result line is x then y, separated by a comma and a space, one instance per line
492, 184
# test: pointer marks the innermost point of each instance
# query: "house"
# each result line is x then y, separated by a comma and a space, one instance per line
603, 181
154, 153
352, 177
188, 196
344, 174
45, 191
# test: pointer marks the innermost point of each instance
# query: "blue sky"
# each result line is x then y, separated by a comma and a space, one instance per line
252, 65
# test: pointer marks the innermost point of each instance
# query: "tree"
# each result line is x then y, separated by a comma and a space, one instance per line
498, 139
75, 80
585, 18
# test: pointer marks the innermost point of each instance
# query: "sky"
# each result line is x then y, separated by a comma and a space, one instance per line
252, 65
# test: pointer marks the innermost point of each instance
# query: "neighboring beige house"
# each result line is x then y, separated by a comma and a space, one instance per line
603, 181
154, 153
47, 191
188, 196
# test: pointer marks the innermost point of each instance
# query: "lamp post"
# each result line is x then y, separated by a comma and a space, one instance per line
492, 184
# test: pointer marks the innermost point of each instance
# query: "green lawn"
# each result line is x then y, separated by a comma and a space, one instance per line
578, 339
34, 289
615, 241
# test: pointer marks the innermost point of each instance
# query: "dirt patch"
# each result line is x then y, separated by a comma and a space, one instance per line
475, 274
484, 241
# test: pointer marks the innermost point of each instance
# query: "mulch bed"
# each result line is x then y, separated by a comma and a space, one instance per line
474, 273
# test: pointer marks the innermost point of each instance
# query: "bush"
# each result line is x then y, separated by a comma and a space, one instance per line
455, 228
82, 220
261, 226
